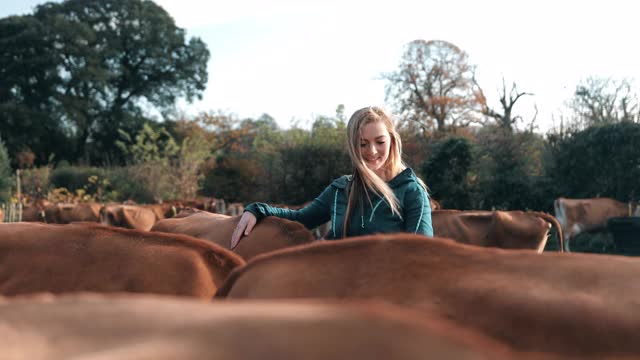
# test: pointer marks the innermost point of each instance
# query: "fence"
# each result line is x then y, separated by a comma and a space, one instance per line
11, 212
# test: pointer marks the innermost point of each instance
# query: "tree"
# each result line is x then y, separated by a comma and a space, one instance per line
506, 119
447, 171
599, 161
508, 168
600, 101
434, 87
29, 120
5, 173
113, 59
151, 154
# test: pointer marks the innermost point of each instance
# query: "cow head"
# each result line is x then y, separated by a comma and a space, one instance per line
108, 216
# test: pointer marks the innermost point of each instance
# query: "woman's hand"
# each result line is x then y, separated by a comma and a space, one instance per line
244, 227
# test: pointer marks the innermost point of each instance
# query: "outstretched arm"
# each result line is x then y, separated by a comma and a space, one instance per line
312, 215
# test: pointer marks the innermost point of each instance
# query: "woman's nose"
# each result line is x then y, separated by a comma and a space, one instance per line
370, 149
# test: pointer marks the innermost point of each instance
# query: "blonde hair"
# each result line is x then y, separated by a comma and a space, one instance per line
364, 180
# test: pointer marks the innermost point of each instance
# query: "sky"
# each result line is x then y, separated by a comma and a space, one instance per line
296, 60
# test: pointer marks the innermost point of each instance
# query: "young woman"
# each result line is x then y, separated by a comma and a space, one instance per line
382, 195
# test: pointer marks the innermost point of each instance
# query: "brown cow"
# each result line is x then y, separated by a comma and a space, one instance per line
319, 232
579, 215
91, 326
128, 216
164, 210
271, 233
435, 205
35, 211
505, 229
65, 213
573, 305
39, 257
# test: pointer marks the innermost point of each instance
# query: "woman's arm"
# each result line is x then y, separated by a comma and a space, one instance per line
311, 216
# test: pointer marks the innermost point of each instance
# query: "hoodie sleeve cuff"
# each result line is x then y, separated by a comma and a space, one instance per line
259, 210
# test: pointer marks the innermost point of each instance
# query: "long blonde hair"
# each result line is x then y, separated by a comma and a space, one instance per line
364, 180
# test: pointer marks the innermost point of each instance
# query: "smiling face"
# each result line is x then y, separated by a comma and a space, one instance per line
375, 143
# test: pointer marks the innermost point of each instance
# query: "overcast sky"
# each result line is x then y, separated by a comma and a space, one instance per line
299, 59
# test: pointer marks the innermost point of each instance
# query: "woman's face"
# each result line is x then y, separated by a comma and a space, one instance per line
375, 143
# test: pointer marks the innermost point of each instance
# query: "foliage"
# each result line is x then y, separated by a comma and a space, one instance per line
167, 169
94, 67
308, 161
599, 161
125, 181
80, 183
507, 168
148, 145
5, 173
447, 172
435, 87
35, 182
28, 106
281, 166
235, 179
188, 166
74, 177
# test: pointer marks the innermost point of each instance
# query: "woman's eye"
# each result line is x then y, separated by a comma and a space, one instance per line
363, 145
380, 142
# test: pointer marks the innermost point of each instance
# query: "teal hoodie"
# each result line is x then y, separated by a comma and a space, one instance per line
332, 205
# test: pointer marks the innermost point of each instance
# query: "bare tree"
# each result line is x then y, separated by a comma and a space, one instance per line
434, 87
505, 118
602, 101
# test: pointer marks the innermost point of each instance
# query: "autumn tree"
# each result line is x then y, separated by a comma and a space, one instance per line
434, 86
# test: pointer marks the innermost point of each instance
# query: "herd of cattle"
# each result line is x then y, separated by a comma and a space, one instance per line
160, 282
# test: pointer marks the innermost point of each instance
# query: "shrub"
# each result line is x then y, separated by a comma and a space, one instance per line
5, 173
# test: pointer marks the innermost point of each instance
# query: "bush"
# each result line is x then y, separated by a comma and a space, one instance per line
126, 187
599, 161
97, 184
508, 169
447, 170
5, 173
35, 182
74, 178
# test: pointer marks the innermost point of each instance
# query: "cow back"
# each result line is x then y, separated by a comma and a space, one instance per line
144, 327
86, 257
271, 233
504, 229
128, 216
562, 303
